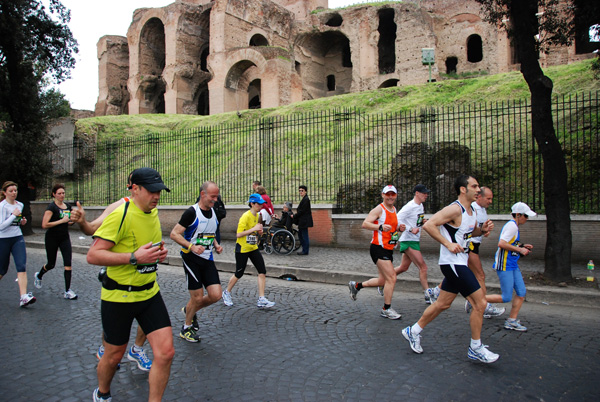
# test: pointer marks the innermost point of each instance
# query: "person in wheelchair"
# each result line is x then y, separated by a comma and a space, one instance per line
287, 218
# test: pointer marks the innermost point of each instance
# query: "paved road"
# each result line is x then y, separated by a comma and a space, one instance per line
315, 345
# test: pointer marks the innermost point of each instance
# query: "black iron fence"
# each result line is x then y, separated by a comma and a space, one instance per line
345, 157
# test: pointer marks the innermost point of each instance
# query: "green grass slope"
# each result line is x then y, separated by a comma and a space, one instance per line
568, 80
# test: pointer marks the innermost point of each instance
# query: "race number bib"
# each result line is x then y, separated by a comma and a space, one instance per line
252, 239
205, 239
420, 220
146, 268
17, 221
395, 237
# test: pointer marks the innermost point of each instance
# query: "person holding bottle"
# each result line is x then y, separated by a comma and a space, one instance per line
11, 239
57, 219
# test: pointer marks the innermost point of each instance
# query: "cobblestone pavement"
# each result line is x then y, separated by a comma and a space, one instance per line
315, 345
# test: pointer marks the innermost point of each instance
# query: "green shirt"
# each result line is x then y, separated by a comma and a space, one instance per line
138, 228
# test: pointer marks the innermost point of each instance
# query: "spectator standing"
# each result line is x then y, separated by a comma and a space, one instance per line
303, 218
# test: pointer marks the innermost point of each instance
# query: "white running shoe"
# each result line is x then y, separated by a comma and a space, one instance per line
227, 298
427, 297
482, 354
493, 311
515, 325
37, 282
390, 313
468, 307
27, 299
263, 302
432, 294
380, 290
70, 295
413, 340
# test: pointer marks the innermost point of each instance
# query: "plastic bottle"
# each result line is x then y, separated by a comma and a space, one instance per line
590, 267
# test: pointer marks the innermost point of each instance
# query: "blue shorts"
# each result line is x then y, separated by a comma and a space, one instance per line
16, 247
510, 280
459, 279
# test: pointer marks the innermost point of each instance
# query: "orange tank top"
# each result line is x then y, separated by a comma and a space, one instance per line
383, 238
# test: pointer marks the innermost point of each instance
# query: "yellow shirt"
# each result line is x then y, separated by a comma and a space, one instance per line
247, 221
138, 228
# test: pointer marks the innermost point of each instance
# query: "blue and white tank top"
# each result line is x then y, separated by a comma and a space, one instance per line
460, 235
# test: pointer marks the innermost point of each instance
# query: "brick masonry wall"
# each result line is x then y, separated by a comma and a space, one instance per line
345, 230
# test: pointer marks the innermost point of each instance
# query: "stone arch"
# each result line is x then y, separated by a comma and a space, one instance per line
152, 56
386, 45
474, 48
258, 40
334, 20
393, 82
322, 54
254, 94
451, 63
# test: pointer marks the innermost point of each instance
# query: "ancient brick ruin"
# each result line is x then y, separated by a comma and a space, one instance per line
207, 57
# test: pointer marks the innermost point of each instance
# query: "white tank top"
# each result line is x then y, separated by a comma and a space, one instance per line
460, 235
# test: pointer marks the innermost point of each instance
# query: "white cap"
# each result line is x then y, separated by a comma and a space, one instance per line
389, 188
522, 208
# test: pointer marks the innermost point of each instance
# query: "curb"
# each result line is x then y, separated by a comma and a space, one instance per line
536, 294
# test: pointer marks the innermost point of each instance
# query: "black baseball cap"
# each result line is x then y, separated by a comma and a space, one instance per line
149, 179
421, 189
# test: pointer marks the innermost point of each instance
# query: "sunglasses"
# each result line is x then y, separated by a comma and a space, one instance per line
390, 193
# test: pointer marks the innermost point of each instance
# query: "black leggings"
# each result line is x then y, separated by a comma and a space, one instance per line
52, 246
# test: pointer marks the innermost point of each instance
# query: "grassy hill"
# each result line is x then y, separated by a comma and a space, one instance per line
568, 80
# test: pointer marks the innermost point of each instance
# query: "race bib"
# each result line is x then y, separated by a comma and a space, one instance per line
420, 220
65, 213
17, 221
252, 239
205, 239
395, 237
146, 268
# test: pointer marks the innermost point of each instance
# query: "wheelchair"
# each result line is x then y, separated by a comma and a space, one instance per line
280, 240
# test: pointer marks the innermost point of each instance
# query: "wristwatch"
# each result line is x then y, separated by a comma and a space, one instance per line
132, 259
381, 228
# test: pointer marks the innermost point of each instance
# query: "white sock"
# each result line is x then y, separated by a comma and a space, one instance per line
186, 327
475, 343
136, 349
416, 329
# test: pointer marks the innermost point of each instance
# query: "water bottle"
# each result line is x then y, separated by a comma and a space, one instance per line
590, 267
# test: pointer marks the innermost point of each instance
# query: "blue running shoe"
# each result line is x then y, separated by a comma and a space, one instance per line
100, 353
143, 362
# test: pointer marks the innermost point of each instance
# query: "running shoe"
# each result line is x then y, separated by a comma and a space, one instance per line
263, 302
380, 290
515, 325
493, 311
432, 295
98, 399
37, 282
189, 335
468, 307
353, 290
195, 324
70, 295
227, 298
414, 340
436, 292
390, 313
143, 362
482, 354
27, 299
100, 353
427, 297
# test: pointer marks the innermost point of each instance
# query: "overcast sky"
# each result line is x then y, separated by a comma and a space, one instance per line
90, 20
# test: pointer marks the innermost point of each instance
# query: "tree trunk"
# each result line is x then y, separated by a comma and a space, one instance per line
556, 198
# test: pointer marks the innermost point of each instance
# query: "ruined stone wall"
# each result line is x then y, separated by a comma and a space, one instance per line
113, 72
203, 56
